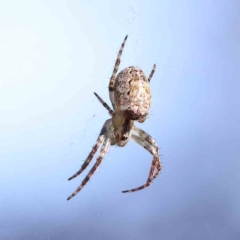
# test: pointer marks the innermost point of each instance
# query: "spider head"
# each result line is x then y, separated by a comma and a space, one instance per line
122, 129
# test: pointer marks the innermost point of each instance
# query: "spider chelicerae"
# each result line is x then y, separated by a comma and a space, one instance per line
129, 93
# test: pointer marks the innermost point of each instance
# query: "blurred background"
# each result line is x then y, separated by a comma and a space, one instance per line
54, 55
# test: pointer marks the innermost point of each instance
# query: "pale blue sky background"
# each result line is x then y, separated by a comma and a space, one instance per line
54, 55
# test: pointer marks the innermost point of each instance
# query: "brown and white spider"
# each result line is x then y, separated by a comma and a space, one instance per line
130, 96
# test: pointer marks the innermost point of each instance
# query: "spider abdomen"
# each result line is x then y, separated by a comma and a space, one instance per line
132, 94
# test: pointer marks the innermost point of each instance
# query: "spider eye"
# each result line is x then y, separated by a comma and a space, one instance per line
124, 138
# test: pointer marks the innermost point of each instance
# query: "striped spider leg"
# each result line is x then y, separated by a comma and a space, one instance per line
152, 72
105, 138
114, 73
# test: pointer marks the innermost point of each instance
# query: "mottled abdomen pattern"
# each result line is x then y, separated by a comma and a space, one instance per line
132, 94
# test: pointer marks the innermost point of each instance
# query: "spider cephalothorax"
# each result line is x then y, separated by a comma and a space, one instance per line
122, 131
130, 96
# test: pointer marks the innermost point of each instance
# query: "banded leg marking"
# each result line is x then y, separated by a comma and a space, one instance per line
152, 72
104, 149
89, 158
114, 73
155, 167
110, 111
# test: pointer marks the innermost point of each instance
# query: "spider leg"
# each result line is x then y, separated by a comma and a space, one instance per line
145, 136
104, 149
151, 149
152, 72
155, 167
90, 156
114, 73
110, 111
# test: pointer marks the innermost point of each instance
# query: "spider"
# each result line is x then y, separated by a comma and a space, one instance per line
129, 93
